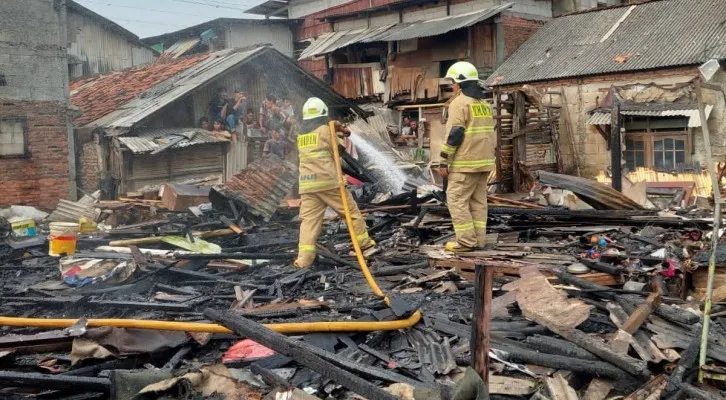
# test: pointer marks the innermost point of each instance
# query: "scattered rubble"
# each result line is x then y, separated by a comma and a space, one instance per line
589, 303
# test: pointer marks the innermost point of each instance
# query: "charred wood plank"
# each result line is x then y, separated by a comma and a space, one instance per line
673, 314
269, 376
628, 302
551, 345
397, 269
237, 256
19, 341
641, 313
601, 266
73, 383
298, 351
481, 321
652, 389
688, 359
696, 393
595, 368
599, 348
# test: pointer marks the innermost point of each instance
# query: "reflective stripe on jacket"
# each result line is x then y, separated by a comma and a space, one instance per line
477, 152
317, 169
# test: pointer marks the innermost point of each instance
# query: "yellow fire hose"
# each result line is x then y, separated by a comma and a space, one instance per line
296, 327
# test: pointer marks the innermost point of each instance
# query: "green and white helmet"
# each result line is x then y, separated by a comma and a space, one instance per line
314, 108
462, 71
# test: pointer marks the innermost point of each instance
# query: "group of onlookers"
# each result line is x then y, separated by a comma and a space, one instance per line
275, 118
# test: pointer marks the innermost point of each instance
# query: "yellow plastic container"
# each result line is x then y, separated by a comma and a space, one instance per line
63, 238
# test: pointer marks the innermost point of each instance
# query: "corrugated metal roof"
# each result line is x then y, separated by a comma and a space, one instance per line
436, 26
146, 141
69, 211
175, 87
599, 118
167, 88
332, 41
651, 35
694, 118
259, 188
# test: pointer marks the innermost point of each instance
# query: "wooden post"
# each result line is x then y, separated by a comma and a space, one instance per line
498, 129
615, 147
716, 236
481, 319
519, 144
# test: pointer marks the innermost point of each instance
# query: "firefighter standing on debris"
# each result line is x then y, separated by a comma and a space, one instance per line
319, 183
468, 157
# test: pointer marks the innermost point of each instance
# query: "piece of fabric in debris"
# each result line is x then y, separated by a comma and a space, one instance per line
79, 272
209, 380
542, 303
246, 350
107, 341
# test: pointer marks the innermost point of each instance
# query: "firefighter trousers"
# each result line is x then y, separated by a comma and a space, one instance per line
466, 196
312, 210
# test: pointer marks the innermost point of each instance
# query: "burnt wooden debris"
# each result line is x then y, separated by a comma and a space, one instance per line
633, 278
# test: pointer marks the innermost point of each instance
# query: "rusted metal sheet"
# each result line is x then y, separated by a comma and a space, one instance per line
146, 141
598, 195
258, 189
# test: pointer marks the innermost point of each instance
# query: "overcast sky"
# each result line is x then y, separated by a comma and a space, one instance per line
153, 17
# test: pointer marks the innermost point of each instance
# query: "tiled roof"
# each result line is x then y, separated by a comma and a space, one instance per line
100, 95
659, 34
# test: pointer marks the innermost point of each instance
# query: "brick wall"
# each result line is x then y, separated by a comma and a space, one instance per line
88, 171
41, 178
517, 31
582, 95
314, 66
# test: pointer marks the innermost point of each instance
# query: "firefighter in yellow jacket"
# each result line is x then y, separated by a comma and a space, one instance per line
319, 183
468, 157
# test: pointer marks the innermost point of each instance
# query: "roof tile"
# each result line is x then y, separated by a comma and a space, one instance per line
100, 95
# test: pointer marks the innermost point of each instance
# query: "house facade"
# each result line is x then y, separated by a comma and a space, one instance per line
652, 79
35, 168
97, 45
394, 52
382, 49
139, 128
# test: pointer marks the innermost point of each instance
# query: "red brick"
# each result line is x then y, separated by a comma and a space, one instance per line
517, 31
41, 179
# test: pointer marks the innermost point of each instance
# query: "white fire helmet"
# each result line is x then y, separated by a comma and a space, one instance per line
314, 108
462, 71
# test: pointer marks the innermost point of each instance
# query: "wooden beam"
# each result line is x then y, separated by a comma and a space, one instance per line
296, 350
615, 148
480, 322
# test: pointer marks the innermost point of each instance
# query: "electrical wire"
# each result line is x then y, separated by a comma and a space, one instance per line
107, 3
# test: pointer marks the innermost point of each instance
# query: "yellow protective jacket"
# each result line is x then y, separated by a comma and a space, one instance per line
317, 168
472, 148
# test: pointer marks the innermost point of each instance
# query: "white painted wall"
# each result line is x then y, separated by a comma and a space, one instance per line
301, 8
533, 7
279, 35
